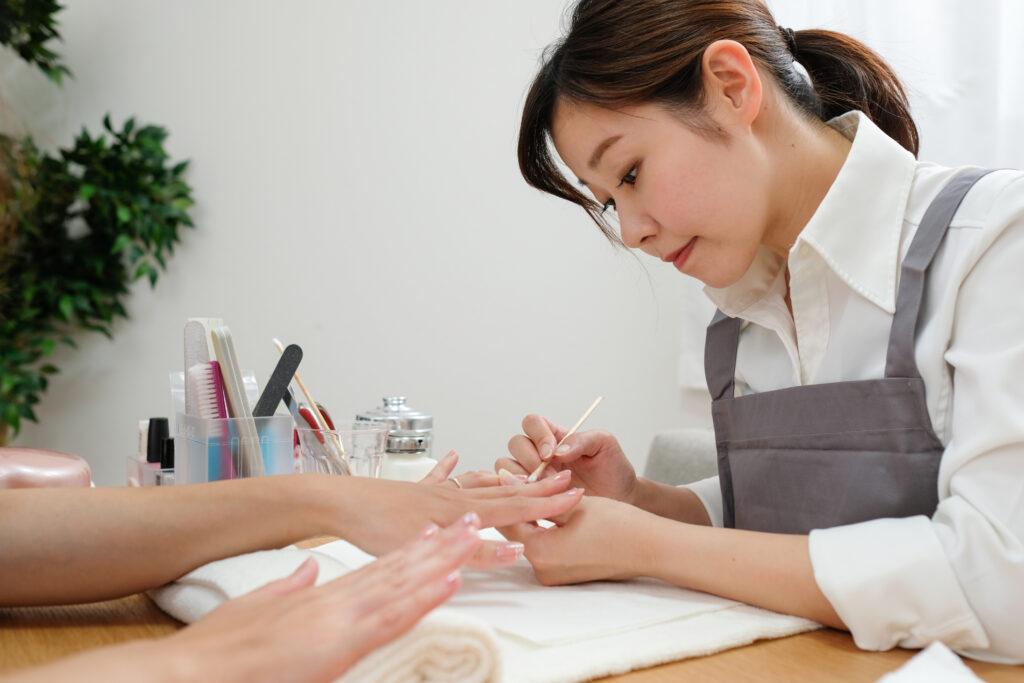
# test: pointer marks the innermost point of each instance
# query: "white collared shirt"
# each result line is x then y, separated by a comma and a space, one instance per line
959, 576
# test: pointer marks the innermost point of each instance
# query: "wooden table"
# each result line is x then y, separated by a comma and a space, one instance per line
34, 635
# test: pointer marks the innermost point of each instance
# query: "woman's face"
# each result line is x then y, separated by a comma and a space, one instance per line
699, 203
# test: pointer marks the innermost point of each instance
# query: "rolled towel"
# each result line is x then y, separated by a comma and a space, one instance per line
443, 647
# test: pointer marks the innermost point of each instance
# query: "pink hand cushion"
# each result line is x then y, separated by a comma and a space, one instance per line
36, 468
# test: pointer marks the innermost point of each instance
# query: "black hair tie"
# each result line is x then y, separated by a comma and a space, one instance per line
789, 35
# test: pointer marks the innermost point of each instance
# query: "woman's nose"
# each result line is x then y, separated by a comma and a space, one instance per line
636, 228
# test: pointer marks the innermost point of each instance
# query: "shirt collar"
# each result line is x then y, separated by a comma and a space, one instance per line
857, 227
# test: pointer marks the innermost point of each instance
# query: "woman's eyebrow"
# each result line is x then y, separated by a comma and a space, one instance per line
596, 156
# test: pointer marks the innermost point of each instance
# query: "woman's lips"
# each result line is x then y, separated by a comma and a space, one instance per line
678, 258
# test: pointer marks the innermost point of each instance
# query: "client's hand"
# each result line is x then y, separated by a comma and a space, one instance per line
379, 515
291, 630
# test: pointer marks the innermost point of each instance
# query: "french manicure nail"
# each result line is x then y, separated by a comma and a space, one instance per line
510, 551
506, 477
563, 475
571, 492
429, 531
452, 578
545, 451
563, 449
521, 477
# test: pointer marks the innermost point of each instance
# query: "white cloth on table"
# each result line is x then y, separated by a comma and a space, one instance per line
934, 664
505, 620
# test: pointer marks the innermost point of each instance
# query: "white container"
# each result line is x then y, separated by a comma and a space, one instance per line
407, 466
410, 436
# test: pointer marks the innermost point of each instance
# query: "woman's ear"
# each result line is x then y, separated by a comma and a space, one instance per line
732, 84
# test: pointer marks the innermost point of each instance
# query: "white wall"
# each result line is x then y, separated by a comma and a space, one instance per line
358, 193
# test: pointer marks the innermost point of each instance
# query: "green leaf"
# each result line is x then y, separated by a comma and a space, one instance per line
124, 214
86, 191
121, 243
47, 346
49, 369
67, 307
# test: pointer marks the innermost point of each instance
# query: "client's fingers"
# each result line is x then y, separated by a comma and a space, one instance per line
496, 554
477, 480
442, 470
514, 509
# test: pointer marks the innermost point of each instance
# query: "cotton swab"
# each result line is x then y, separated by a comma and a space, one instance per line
544, 463
320, 421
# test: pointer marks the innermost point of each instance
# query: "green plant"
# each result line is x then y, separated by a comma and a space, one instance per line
26, 26
77, 227
90, 220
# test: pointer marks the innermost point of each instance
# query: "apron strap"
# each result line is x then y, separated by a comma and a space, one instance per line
930, 233
720, 347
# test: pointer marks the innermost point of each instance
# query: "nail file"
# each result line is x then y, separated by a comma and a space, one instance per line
278, 382
250, 454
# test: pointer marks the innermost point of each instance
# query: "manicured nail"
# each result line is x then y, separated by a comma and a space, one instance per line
545, 451
562, 476
470, 519
451, 454
452, 578
429, 531
563, 449
571, 492
521, 477
510, 551
506, 477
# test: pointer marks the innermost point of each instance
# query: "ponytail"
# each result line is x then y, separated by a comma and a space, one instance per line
846, 75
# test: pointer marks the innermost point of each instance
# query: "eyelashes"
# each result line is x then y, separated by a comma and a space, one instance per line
629, 179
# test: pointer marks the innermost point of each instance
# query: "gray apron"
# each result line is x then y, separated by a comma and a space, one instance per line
823, 455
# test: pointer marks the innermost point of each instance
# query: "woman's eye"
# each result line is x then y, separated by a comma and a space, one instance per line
629, 178
610, 204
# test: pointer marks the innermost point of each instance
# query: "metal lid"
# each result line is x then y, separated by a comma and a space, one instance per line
408, 430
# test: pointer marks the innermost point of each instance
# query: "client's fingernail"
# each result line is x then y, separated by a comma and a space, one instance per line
510, 551
470, 519
562, 476
563, 449
521, 477
452, 578
571, 492
429, 531
545, 451
451, 454
506, 477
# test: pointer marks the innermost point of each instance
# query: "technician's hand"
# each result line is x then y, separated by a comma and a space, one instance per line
598, 541
291, 630
594, 458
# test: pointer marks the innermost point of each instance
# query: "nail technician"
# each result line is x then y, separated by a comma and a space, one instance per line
865, 363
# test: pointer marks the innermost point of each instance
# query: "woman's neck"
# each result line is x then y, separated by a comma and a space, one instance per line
808, 157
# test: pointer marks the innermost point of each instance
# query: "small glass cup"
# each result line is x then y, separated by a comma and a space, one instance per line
362, 444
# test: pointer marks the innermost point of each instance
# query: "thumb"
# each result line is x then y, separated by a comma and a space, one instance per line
303, 577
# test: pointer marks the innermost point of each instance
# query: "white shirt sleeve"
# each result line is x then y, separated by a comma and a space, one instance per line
710, 494
959, 576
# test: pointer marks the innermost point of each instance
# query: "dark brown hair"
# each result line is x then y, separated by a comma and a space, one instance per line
624, 52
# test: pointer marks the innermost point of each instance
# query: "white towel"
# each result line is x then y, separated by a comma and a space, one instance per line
444, 646
522, 631
934, 664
